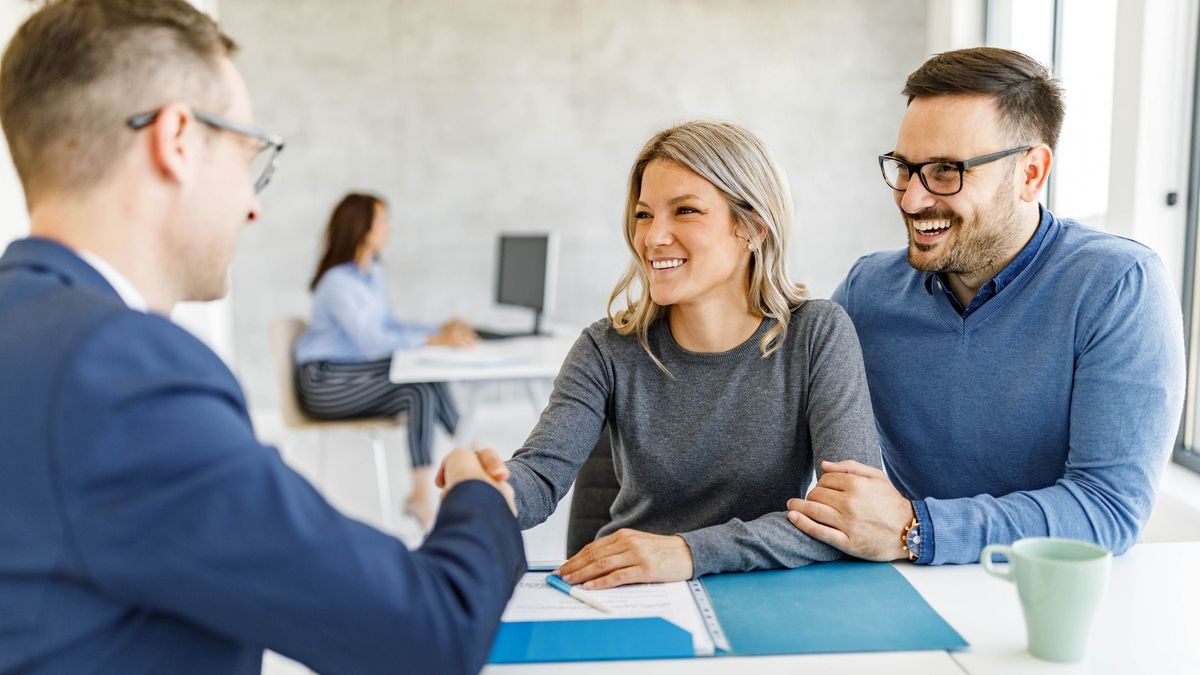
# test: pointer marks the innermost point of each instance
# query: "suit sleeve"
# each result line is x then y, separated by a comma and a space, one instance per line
173, 506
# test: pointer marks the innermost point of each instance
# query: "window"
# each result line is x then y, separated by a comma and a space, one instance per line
1120, 164
1187, 451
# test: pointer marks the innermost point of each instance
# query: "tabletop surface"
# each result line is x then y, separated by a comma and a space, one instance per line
1148, 623
512, 359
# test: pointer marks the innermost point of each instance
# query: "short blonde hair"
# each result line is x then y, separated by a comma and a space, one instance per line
737, 163
76, 70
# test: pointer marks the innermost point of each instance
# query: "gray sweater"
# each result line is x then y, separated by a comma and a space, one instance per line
714, 452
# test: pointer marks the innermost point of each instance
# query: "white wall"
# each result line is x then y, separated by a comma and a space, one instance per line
953, 24
1152, 119
14, 221
473, 118
211, 322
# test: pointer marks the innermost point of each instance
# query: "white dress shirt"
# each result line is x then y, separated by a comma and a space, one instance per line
129, 293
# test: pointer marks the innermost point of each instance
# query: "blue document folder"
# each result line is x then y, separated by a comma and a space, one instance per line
845, 606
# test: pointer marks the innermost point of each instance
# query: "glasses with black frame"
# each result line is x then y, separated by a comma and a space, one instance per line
940, 177
266, 157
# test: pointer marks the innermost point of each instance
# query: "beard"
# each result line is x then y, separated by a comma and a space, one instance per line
979, 243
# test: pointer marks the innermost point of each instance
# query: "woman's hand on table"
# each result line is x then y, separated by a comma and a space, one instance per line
629, 557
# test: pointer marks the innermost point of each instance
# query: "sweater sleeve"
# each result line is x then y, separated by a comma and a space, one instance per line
841, 425
544, 468
1126, 402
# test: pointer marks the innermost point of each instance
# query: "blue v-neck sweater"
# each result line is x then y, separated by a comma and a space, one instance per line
1049, 410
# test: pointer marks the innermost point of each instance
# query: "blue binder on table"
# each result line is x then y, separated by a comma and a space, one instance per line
864, 607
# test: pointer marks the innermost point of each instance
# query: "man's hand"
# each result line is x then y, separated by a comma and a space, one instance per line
629, 557
855, 509
485, 465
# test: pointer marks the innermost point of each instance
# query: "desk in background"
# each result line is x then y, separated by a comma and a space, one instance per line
1149, 624
532, 360
528, 358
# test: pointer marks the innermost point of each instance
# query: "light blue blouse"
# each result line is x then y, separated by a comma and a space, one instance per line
352, 319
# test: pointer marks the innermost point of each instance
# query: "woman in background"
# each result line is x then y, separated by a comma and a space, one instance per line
344, 357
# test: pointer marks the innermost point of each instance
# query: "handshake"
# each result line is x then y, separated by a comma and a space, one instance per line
485, 465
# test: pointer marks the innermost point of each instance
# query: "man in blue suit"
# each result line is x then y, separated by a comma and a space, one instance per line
143, 529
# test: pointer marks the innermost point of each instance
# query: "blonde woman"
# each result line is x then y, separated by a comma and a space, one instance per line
722, 384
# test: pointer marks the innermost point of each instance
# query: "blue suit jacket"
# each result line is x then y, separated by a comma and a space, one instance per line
143, 529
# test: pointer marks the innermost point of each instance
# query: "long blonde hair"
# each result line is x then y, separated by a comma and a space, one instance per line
737, 163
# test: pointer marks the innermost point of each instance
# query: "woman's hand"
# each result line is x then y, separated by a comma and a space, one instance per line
629, 557
454, 333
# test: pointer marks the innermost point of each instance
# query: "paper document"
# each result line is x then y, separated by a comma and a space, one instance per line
533, 600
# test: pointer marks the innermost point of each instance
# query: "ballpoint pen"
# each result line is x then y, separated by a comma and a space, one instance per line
556, 582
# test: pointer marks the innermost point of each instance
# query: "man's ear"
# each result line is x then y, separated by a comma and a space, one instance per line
173, 139
1036, 165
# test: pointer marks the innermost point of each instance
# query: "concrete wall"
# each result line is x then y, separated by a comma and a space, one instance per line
474, 118
14, 221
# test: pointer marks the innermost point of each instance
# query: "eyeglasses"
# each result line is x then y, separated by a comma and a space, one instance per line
266, 156
940, 177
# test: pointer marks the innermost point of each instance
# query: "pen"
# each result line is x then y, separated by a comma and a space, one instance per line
556, 582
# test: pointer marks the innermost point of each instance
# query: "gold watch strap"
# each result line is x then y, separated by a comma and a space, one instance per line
904, 539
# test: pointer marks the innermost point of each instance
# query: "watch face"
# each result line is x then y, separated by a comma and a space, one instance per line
913, 539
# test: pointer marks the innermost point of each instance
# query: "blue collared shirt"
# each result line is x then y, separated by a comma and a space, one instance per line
1005, 276
352, 319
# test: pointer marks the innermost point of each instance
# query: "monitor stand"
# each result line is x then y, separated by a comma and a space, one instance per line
485, 334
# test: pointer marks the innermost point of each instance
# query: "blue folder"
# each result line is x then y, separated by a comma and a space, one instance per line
845, 606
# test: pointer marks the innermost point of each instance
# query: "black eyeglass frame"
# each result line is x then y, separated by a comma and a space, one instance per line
266, 141
915, 168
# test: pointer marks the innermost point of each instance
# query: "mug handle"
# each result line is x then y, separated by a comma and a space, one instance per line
985, 559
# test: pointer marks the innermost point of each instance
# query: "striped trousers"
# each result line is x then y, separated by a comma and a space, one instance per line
338, 391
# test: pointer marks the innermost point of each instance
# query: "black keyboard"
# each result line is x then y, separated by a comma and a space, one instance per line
485, 334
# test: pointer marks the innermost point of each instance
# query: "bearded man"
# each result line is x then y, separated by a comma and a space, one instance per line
1026, 371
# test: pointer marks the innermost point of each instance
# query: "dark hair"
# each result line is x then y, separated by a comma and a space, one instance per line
77, 69
348, 227
1029, 100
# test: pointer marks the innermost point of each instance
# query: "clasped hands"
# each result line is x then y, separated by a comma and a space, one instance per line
485, 465
623, 557
855, 509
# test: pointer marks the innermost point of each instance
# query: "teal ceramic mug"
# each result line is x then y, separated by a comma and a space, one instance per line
1061, 583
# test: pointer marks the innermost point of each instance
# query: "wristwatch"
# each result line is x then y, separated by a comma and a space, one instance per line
910, 540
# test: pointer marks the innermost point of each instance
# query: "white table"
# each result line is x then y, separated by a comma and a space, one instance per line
532, 360
513, 359
1149, 624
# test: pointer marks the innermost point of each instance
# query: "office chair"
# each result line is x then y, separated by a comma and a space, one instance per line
284, 333
596, 488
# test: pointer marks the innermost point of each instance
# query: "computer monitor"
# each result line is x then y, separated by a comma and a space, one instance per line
525, 274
